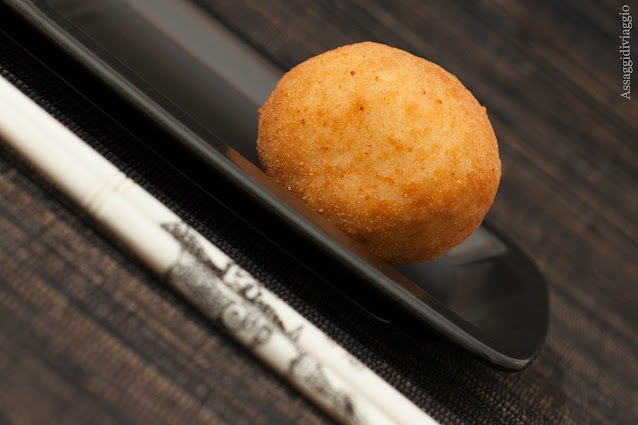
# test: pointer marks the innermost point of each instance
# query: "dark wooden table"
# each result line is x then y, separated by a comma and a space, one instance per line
88, 335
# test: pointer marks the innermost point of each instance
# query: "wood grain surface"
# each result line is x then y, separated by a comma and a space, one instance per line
88, 336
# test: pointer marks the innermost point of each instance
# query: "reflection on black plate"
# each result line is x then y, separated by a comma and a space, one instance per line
168, 72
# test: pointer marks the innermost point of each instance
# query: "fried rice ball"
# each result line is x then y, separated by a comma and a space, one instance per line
389, 147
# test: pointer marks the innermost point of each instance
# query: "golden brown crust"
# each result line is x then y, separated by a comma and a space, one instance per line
389, 147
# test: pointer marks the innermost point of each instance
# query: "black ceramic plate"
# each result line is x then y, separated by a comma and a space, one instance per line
166, 70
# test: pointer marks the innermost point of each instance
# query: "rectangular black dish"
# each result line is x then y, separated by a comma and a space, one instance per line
167, 71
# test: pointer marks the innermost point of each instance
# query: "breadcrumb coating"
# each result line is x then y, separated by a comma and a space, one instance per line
389, 147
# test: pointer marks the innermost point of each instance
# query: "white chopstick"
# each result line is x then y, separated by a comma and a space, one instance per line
321, 369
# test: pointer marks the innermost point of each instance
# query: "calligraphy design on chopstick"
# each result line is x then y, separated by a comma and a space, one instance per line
232, 297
